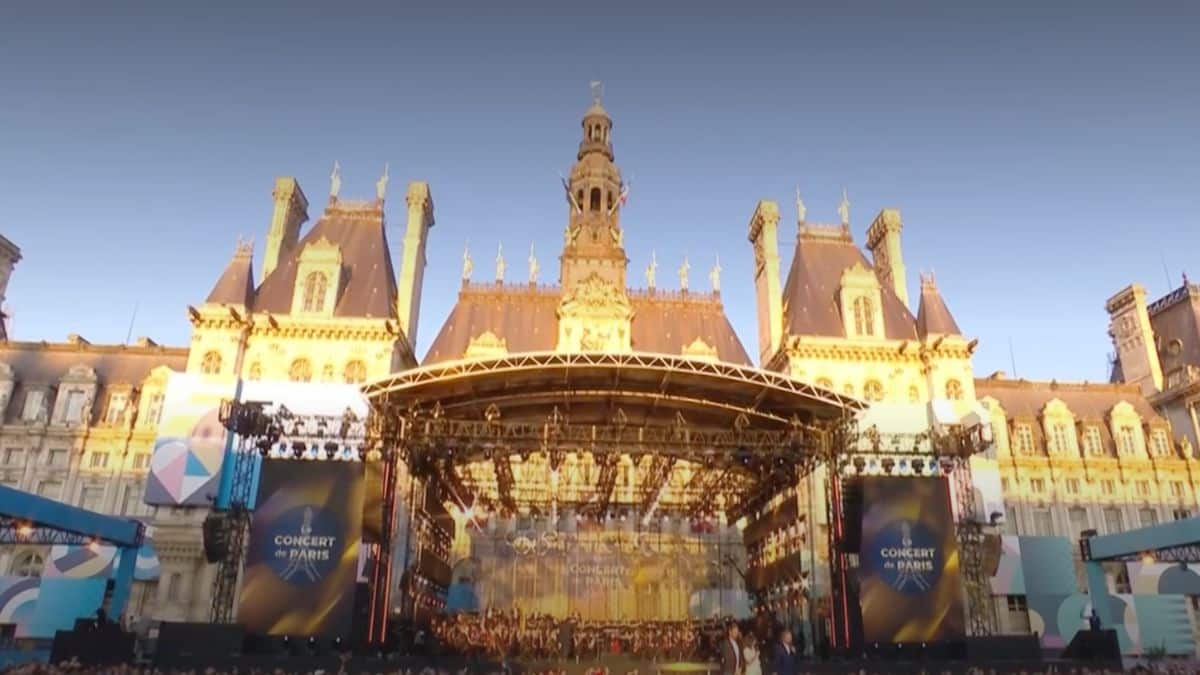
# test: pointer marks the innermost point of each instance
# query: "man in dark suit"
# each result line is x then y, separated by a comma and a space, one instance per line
787, 657
731, 652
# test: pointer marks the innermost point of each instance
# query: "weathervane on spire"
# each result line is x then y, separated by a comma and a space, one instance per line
844, 209
468, 264
500, 263
652, 271
335, 181
801, 211
381, 184
597, 91
715, 275
534, 268
683, 274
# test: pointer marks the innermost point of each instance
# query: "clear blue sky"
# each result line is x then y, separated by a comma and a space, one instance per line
1042, 156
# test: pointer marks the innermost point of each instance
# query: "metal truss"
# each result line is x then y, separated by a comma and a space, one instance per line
1186, 554
15, 532
663, 363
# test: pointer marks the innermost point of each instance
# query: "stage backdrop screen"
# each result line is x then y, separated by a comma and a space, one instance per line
910, 589
302, 560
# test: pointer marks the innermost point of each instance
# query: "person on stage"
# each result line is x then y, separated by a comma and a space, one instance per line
751, 657
732, 661
787, 656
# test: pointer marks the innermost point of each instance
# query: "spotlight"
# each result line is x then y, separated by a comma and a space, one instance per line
888, 465
918, 465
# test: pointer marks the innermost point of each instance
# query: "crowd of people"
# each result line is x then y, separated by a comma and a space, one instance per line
506, 635
73, 668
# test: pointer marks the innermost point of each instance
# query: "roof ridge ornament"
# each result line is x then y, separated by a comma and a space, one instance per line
534, 268
683, 274
382, 183
844, 209
468, 265
801, 210
597, 91
652, 271
715, 276
500, 263
335, 181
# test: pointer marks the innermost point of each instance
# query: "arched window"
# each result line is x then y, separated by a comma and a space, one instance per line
954, 390
314, 292
27, 564
864, 317
211, 363
595, 200
301, 371
873, 390
356, 372
1126, 441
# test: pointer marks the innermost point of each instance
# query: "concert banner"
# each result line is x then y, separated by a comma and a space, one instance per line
302, 559
910, 586
190, 445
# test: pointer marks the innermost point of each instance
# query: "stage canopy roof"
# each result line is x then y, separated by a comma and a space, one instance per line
594, 388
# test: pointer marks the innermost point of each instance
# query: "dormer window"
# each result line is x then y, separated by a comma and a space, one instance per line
864, 317
117, 402
1091, 441
314, 291
1125, 440
35, 403
862, 313
318, 276
1024, 439
1159, 444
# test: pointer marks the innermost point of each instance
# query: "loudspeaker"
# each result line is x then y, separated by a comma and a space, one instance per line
852, 514
101, 645
181, 644
216, 537
1094, 645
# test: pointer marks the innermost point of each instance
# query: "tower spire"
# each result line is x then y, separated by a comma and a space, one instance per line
594, 243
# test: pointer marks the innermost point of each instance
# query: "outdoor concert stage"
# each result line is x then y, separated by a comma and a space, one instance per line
622, 488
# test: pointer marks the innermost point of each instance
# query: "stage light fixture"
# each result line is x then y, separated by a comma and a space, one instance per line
888, 465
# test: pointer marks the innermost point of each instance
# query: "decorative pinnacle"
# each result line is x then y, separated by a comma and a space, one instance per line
844, 209
335, 181
534, 268
381, 184
714, 275
500, 263
468, 265
597, 91
683, 273
801, 211
652, 270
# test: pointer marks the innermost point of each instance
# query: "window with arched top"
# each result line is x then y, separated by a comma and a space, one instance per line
315, 285
211, 363
864, 316
355, 372
300, 371
873, 390
27, 564
1126, 440
594, 204
954, 390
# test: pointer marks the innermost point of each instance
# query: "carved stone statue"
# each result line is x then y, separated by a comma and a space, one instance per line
801, 211
335, 180
381, 184
652, 271
468, 265
1185, 447
683, 274
715, 275
844, 208
534, 268
500, 263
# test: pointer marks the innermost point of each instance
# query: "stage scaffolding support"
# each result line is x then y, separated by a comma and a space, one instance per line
944, 452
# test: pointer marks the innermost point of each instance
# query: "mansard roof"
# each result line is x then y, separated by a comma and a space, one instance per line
810, 296
933, 316
1085, 400
368, 287
526, 318
236, 284
40, 364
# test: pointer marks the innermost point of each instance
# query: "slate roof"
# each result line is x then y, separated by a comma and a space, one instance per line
526, 319
236, 284
810, 295
933, 317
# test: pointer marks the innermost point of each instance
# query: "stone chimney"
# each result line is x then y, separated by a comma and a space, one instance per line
764, 225
883, 240
412, 263
1133, 338
291, 211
